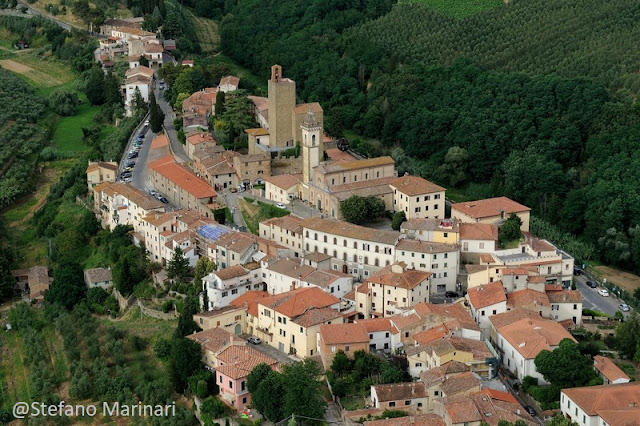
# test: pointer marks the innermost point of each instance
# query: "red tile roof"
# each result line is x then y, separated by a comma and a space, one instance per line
427, 336
608, 369
182, 177
250, 300
419, 420
415, 185
333, 334
400, 391
531, 336
622, 397
230, 80
294, 303
374, 325
486, 295
284, 181
238, 361
315, 316
408, 278
489, 207
565, 296
527, 297
478, 231
214, 339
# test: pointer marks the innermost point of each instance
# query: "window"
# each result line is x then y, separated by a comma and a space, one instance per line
315, 236
482, 313
220, 379
407, 403
244, 400
225, 293
346, 348
392, 404
481, 246
230, 384
333, 349
234, 291
242, 385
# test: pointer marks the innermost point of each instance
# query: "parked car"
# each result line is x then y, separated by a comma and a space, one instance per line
254, 340
624, 307
281, 206
161, 86
125, 175
603, 292
153, 192
530, 410
163, 200
450, 294
146, 123
577, 271
131, 163
592, 284
132, 155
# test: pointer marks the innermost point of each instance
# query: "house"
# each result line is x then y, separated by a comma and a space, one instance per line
419, 420
397, 287
233, 365
485, 407
101, 171
285, 275
606, 405
491, 210
118, 203
476, 238
249, 301
471, 352
610, 373
453, 376
232, 317
566, 305
500, 320
252, 169
521, 341
233, 248
444, 231
229, 83
34, 281
212, 341
98, 277
380, 331
333, 282
417, 197
486, 300
348, 338
137, 80
282, 188
215, 167
440, 259
412, 395
198, 141
224, 285
530, 299
291, 321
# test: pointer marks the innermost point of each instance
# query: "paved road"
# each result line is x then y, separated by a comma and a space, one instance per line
176, 146
592, 300
62, 24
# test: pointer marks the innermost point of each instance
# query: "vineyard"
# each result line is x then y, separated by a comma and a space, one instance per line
588, 38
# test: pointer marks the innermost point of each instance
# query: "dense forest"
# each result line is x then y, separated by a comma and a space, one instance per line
534, 100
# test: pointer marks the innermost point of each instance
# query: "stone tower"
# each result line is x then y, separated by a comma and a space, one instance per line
311, 145
281, 101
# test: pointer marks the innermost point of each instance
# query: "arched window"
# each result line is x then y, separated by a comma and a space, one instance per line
306, 234
377, 249
355, 245
376, 262
335, 240
325, 238
387, 264
335, 253
313, 140
344, 256
355, 257
344, 243
366, 260
307, 246
325, 250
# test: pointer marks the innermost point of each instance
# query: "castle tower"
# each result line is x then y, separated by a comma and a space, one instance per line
311, 145
281, 102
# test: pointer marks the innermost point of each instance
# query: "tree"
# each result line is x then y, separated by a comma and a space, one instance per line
375, 207
184, 361
354, 209
212, 408
220, 103
138, 103
203, 267
156, 118
268, 397
186, 324
455, 165
68, 286
510, 229
257, 376
628, 337
143, 61
178, 266
341, 364
398, 218
302, 384
565, 367
7, 280
560, 420
64, 102
94, 86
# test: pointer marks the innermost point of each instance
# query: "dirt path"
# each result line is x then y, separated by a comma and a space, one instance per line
626, 280
14, 66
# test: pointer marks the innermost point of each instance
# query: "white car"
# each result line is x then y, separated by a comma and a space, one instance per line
603, 292
281, 206
146, 123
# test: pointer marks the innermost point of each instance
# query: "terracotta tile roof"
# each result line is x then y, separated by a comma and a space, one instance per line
487, 258
531, 336
472, 269
290, 222
213, 339
240, 360
506, 318
478, 231
565, 296
527, 297
257, 131
486, 295
291, 269
403, 320
608, 369
349, 230
340, 166
313, 317
622, 417
400, 391
515, 271
238, 242
479, 407
294, 303
427, 336
462, 411
96, 275
229, 273
499, 395
250, 300
148, 72
336, 155
138, 79
430, 224
284, 181
316, 256
110, 165
460, 383
153, 48
415, 185
489, 207
606, 398
333, 334
419, 420
350, 295
198, 138
131, 193
408, 278
374, 325
182, 177
436, 375
548, 288
304, 108
230, 80
420, 246
323, 278
159, 141
362, 188
447, 345
134, 31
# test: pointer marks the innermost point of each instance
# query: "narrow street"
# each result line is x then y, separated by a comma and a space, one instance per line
592, 300
176, 147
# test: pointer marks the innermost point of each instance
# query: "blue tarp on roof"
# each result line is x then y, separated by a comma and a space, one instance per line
213, 232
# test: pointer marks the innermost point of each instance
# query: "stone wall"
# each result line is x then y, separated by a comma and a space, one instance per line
157, 314
123, 302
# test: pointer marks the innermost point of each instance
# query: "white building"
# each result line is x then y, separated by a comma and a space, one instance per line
137, 79
417, 197
485, 301
227, 284
606, 405
566, 305
441, 260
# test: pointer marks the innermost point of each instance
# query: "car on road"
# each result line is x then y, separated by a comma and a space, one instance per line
592, 284
162, 199
153, 192
125, 175
140, 136
132, 155
146, 123
128, 169
603, 292
624, 307
281, 206
530, 410
254, 340
131, 163
577, 271
450, 294
162, 87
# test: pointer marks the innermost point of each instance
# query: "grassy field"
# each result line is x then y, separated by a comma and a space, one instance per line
208, 34
253, 214
68, 134
460, 8
45, 74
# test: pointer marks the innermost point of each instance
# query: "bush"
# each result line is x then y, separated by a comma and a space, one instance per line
162, 348
64, 102
49, 153
167, 305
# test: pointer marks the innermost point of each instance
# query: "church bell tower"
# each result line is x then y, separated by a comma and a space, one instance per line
311, 145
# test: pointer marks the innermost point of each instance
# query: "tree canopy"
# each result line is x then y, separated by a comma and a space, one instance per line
565, 366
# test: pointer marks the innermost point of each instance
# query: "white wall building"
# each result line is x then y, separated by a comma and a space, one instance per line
227, 284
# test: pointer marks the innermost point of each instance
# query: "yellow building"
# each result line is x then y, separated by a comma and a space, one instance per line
101, 171
473, 353
491, 210
445, 231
